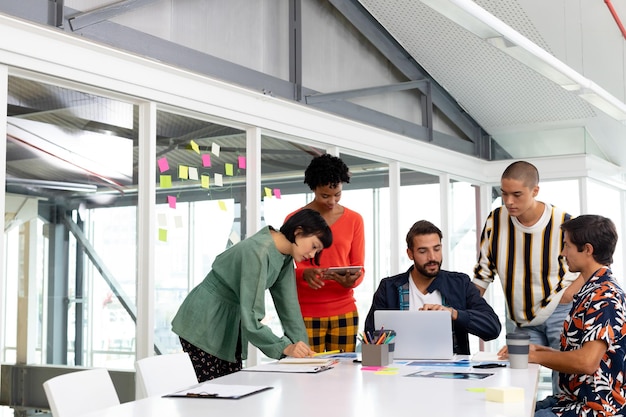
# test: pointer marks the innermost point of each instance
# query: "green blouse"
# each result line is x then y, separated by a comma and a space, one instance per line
232, 297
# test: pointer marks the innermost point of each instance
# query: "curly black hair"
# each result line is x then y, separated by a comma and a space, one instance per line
326, 170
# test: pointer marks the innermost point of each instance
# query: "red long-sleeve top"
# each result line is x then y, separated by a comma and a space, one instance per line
348, 249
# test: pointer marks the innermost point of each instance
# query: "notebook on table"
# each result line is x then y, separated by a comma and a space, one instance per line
419, 334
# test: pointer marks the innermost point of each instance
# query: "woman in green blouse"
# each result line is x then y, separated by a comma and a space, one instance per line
223, 313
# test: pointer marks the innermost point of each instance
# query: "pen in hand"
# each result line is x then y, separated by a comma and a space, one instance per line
329, 352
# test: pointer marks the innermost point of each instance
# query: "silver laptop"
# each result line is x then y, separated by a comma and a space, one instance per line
419, 334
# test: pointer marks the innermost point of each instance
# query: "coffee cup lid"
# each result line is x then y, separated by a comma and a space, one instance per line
518, 336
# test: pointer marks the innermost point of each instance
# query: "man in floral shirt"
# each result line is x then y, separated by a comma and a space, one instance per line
593, 347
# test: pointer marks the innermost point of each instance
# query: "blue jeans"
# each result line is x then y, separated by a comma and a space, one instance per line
544, 407
547, 334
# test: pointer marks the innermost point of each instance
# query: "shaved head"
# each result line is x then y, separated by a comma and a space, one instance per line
522, 171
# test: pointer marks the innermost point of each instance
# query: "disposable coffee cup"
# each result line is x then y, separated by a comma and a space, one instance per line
517, 345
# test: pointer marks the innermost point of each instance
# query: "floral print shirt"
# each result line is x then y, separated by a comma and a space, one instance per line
598, 313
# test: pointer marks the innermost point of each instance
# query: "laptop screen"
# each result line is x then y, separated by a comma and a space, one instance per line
419, 334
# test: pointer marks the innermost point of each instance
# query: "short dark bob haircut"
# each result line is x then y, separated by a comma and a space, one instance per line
312, 224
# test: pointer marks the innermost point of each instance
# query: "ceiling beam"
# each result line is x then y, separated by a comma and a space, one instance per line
380, 38
84, 19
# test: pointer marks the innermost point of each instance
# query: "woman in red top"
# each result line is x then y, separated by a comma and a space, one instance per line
326, 298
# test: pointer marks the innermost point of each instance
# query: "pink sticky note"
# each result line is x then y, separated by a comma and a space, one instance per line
171, 200
163, 164
371, 368
242, 162
206, 160
277, 192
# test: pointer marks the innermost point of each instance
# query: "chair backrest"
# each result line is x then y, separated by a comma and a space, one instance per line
163, 374
76, 393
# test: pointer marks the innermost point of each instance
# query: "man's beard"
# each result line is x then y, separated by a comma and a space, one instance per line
422, 269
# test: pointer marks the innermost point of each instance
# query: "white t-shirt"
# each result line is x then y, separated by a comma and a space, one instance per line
417, 299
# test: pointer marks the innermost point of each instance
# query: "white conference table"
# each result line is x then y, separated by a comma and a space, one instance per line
348, 391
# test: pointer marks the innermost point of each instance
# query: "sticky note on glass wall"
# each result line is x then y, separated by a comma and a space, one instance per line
204, 181
165, 181
228, 169
277, 192
194, 146
162, 220
171, 200
215, 149
234, 237
193, 173
218, 180
206, 160
268, 191
222, 205
242, 162
178, 222
183, 172
163, 235
163, 164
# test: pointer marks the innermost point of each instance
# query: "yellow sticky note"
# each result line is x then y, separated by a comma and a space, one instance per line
205, 180
504, 394
268, 191
183, 172
222, 205
163, 235
195, 147
387, 371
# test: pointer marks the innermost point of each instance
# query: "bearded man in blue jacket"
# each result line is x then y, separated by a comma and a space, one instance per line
425, 286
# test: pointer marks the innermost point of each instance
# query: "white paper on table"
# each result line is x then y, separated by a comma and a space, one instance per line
213, 390
487, 357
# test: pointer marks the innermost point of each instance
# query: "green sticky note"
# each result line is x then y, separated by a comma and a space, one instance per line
228, 168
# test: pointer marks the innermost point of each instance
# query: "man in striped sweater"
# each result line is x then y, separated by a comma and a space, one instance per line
521, 242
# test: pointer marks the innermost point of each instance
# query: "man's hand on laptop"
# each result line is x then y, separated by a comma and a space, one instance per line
452, 311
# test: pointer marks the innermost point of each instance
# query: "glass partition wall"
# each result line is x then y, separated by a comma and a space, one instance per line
70, 163
71, 212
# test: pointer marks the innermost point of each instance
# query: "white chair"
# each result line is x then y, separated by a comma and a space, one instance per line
163, 374
76, 393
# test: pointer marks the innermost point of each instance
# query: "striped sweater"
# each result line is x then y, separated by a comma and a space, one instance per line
527, 260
